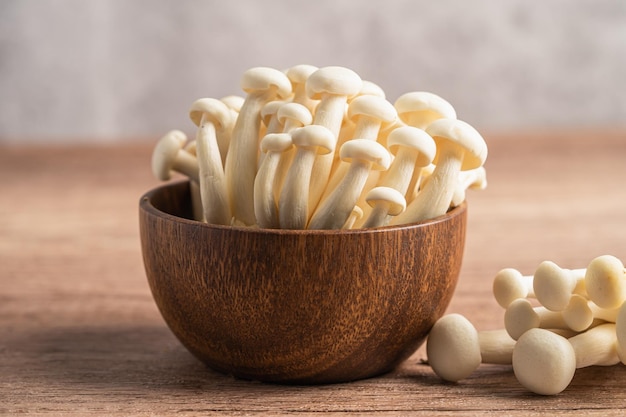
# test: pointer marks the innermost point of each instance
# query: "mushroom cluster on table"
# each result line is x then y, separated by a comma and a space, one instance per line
320, 148
555, 321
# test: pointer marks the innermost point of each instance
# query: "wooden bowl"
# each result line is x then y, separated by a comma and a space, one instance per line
297, 306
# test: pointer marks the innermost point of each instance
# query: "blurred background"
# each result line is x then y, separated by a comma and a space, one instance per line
105, 71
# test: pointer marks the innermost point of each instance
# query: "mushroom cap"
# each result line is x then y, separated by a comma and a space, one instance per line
553, 286
165, 152
605, 281
544, 362
264, 78
519, 317
366, 150
395, 199
456, 132
298, 74
333, 80
578, 315
215, 111
372, 106
233, 102
295, 111
453, 347
270, 109
509, 285
315, 137
371, 89
276, 142
415, 138
431, 106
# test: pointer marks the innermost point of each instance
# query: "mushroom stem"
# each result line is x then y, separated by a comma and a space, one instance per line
265, 206
209, 114
293, 202
596, 346
261, 85
363, 155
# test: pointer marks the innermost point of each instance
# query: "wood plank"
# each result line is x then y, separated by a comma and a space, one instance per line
80, 334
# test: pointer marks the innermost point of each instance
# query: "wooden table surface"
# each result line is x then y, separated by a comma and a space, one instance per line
81, 335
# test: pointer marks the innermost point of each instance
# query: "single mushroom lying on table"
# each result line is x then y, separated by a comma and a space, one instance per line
455, 348
261, 85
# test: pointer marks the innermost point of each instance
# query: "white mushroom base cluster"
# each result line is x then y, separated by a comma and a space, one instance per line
319, 148
555, 321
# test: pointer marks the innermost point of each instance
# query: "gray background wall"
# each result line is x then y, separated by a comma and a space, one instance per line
113, 70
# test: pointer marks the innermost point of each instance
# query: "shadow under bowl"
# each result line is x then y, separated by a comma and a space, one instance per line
297, 306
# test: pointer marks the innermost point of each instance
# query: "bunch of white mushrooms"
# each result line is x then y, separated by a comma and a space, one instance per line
555, 321
319, 148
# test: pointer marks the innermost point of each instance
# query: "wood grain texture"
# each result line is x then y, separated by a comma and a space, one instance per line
80, 333
298, 306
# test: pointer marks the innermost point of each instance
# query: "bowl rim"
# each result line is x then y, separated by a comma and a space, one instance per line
146, 205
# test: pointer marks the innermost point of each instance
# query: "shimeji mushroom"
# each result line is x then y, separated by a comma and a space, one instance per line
455, 348
385, 201
269, 116
474, 179
273, 145
421, 108
261, 85
194, 188
605, 281
459, 147
363, 156
168, 155
298, 75
545, 362
509, 285
332, 86
554, 286
520, 316
210, 115
580, 313
292, 116
368, 113
413, 149
293, 202
355, 216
